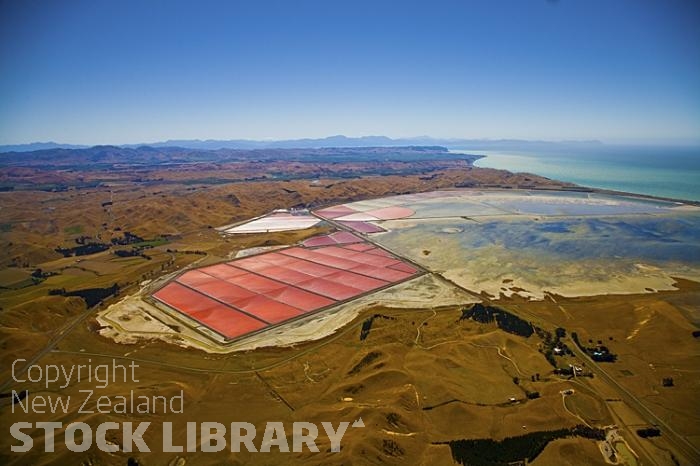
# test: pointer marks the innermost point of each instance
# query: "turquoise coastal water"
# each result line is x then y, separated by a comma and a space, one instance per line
672, 172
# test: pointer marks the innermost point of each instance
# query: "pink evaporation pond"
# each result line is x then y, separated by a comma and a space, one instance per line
335, 212
339, 237
391, 213
324, 240
345, 237
362, 227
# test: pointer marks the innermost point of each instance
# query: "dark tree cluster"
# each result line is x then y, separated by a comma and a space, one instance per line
601, 353
91, 296
598, 353
131, 253
364, 362
367, 324
39, 274
128, 238
552, 344
82, 250
649, 432
524, 448
195, 252
505, 320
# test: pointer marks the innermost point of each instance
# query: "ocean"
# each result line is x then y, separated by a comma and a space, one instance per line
672, 172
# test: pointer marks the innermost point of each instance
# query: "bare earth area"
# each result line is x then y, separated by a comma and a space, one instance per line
499, 337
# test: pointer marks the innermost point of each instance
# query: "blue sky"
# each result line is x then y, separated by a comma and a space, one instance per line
99, 72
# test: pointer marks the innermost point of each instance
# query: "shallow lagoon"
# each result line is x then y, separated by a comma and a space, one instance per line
664, 238
568, 243
472, 203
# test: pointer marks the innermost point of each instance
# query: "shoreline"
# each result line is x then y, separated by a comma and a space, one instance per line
587, 189
612, 191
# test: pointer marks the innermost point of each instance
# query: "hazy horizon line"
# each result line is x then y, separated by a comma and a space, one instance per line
453, 139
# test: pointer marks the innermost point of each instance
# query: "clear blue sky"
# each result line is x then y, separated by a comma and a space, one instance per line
138, 71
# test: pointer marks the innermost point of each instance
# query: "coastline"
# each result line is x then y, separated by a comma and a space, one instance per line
670, 177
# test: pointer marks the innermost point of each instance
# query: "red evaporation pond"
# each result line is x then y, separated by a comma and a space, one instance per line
222, 271
359, 247
252, 264
281, 285
195, 278
361, 282
329, 288
257, 283
300, 299
276, 258
315, 256
379, 252
373, 259
403, 267
219, 317
337, 251
268, 309
312, 268
381, 273
225, 291
287, 275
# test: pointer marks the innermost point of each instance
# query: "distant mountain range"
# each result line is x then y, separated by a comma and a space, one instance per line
331, 141
32, 146
142, 157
